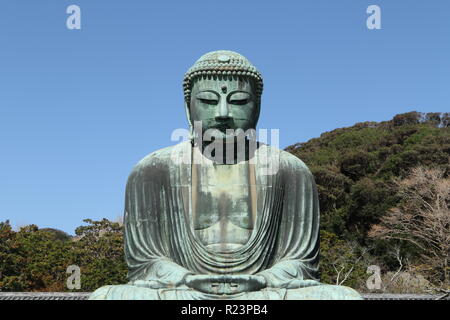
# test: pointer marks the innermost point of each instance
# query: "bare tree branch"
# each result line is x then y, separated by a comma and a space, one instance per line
422, 218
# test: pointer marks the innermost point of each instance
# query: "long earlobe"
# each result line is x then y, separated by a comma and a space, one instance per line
188, 115
258, 110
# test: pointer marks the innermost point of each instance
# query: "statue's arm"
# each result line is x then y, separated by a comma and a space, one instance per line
146, 241
286, 274
147, 262
297, 255
162, 274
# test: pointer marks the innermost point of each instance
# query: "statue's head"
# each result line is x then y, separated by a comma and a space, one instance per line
223, 91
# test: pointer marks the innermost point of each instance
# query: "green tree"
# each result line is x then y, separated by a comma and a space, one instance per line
341, 262
35, 260
98, 251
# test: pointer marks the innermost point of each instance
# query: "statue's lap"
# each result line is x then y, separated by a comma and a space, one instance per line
130, 292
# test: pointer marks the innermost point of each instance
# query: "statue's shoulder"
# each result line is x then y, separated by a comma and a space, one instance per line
287, 160
161, 158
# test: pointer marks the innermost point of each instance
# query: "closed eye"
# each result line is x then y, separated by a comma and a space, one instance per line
239, 98
207, 97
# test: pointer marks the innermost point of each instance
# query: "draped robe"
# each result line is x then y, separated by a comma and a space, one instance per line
160, 244
161, 247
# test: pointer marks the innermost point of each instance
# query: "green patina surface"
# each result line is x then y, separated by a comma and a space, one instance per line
222, 226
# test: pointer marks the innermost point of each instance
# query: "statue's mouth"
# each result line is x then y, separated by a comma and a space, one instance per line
223, 127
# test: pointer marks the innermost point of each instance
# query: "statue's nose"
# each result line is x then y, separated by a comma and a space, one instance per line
223, 112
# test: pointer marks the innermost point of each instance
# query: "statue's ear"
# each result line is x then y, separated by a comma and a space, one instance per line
188, 114
188, 110
258, 101
258, 110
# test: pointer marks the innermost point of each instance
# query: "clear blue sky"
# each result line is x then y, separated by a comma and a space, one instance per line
78, 108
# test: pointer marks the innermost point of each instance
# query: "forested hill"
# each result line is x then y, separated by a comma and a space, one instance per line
354, 166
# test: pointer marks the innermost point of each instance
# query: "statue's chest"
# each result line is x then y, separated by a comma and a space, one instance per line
222, 205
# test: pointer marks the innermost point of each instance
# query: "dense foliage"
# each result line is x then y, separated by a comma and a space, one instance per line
33, 259
358, 171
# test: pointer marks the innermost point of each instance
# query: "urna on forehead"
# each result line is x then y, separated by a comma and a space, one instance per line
219, 65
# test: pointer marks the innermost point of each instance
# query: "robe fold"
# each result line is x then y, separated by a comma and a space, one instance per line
160, 244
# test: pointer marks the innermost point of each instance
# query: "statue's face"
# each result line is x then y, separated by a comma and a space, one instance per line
224, 103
